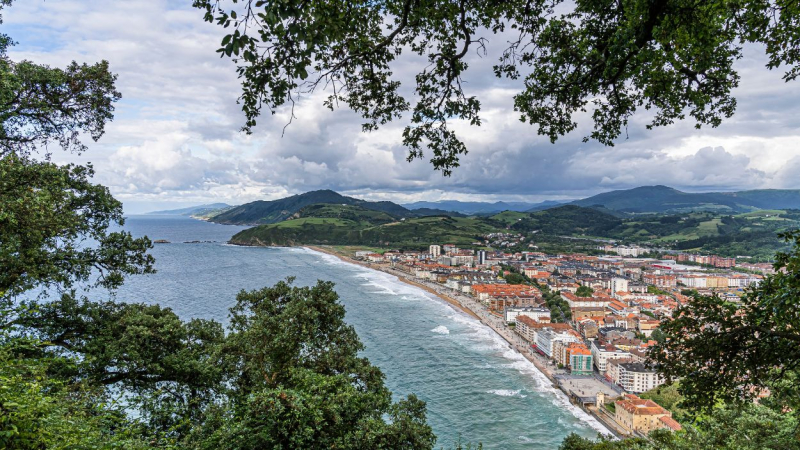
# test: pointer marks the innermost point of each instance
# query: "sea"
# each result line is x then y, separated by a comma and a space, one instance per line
477, 389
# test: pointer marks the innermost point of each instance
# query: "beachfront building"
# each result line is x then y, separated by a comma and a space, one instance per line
528, 328
641, 416
546, 338
603, 353
484, 291
573, 355
538, 314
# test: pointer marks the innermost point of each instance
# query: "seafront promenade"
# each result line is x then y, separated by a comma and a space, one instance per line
574, 387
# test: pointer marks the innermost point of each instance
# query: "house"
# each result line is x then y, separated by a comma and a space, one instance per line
643, 416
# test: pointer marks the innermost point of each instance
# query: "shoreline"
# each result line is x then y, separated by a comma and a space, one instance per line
447, 299
513, 341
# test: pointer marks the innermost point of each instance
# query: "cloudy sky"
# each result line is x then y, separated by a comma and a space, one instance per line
175, 139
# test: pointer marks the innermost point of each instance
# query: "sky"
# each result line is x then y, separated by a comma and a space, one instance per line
175, 138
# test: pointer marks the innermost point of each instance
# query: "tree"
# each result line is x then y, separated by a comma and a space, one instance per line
40, 104
38, 411
611, 58
54, 223
300, 383
584, 291
516, 278
732, 353
55, 229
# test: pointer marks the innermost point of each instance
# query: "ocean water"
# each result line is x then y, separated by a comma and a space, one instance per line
475, 386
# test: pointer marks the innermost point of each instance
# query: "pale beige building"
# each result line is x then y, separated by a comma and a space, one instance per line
643, 416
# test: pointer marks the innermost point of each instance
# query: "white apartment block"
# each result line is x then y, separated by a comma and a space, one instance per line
636, 377
601, 355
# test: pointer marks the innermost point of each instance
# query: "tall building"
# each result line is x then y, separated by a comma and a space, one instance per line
619, 285
481, 257
435, 251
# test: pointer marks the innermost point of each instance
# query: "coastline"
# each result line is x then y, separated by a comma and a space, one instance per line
514, 341
446, 298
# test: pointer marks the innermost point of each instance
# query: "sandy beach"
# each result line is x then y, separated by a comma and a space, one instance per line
444, 297
474, 309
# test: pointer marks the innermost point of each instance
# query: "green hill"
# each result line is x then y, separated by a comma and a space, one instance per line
662, 199
266, 212
666, 200
375, 224
356, 225
351, 226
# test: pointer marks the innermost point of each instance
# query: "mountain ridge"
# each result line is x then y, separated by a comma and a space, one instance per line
660, 199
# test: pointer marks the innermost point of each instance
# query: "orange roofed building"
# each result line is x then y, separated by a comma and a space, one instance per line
643, 416
527, 327
484, 291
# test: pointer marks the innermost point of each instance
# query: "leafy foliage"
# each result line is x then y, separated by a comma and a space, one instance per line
584, 291
54, 229
40, 104
54, 224
299, 382
672, 57
728, 352
38, 411
751, 427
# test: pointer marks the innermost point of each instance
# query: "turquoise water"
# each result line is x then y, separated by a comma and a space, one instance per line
474, 385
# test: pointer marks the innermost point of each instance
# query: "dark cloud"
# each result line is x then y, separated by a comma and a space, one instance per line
176, 134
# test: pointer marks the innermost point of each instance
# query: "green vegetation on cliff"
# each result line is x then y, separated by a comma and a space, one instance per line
353, 225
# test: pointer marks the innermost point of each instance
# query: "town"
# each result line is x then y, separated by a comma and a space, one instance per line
587, 322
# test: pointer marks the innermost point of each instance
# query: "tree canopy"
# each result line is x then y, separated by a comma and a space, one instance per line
55, 225
584, 291
610, 59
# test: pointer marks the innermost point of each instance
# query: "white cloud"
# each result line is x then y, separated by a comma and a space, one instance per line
175, 136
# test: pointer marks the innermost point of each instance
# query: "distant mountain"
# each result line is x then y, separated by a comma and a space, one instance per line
547, 204
427, 212
666, 200
471, 208
274, 211
768, 198
192, 210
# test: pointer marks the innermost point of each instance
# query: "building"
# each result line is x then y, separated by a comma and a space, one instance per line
647, 326
619, 285
481, 257
603, 353
547, 337
528, 328
537, 314
661, 281
435, 251
585, 302
637, 377
484, 291
643, 416
580, 359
